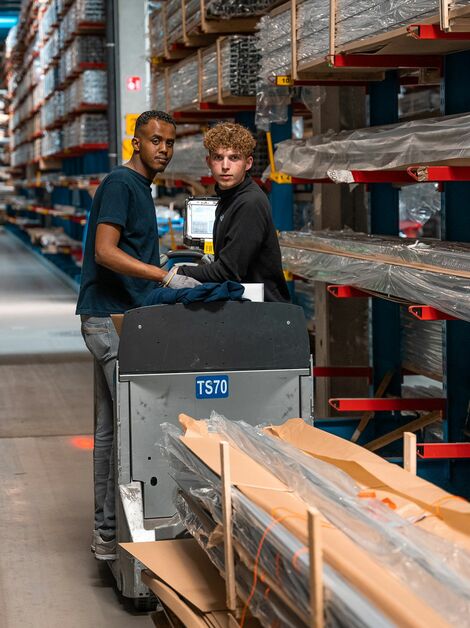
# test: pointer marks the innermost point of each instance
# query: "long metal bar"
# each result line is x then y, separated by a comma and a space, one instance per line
387, 404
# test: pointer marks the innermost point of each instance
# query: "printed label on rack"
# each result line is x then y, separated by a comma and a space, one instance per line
284, 80
212, 387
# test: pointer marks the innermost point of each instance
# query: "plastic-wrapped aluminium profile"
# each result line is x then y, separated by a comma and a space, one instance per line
435, 569
427, 272
183, 84
208, 79
376, 148
282, 564
421, 345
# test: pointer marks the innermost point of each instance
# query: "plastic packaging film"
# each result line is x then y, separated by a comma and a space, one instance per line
200, 509
174, 21
189, 158
435, 569
421, 344
418, 203
157, 30
368, 262
88, 128
355, 21
159, 91
375, 148
209, 74
192, 14
183, 84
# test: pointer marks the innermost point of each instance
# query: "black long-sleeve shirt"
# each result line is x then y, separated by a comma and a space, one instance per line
246, 246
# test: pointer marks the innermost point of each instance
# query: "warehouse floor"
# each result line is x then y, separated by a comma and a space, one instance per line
48, 576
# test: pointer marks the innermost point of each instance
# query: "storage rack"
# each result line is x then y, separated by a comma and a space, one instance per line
448, 48
56, 77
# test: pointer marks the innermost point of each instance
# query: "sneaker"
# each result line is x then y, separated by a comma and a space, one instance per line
95, 539
105, 550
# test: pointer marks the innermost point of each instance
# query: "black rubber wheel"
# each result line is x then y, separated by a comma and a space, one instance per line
145, 604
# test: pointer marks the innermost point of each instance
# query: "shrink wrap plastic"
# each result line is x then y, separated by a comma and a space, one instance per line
209, 75
200, 509
88, 89
88, 128
183, 84
376, 266
435, 569
421, 344
375, 148
355, 21
418, 203
189, 158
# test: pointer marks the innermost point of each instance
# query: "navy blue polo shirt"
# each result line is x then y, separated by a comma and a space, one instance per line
123, 198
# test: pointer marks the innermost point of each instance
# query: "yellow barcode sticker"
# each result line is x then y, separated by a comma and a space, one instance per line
208, 247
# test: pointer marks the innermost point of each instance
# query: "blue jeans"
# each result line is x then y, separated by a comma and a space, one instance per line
102, 341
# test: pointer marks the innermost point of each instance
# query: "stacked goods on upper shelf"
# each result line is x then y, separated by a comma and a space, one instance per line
229, 70
182, 82
56, 72
353, 24
225, 73
193, 23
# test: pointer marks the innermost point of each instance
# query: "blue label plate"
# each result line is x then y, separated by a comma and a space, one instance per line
212, 387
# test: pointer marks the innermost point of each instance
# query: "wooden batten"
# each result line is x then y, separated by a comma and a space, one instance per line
219, 70
293, 31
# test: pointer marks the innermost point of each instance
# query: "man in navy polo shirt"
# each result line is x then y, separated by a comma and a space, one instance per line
121, 265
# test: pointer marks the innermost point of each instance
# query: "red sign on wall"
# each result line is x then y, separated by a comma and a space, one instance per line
134, 83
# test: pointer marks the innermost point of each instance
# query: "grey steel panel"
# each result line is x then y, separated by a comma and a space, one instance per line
255, 397
122, 432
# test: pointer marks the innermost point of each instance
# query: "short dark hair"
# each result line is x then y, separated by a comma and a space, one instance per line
146, 116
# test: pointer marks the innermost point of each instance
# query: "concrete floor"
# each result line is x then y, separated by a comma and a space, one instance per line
48, 576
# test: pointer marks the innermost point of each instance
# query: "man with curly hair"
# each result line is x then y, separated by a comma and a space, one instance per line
246, 247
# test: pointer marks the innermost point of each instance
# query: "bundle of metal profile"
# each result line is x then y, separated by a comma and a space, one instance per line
354, 22
334, 154
227, 9
282, 564
425, 272
183, 84
435, 569
234, 62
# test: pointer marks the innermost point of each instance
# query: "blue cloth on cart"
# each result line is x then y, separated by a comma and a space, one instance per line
206, 292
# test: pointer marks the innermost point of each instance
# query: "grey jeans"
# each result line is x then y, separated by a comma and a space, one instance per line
102, 341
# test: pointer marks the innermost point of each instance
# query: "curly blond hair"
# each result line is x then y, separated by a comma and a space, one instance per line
230, 135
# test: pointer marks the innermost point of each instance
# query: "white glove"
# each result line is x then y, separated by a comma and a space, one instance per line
175, 281
208, 258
